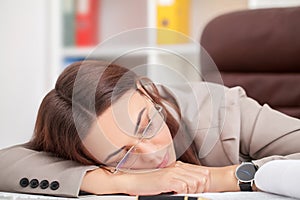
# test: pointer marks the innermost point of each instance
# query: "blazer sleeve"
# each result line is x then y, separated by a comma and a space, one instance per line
267, 134
26, 171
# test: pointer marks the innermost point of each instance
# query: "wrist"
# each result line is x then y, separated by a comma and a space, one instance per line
223, 179
100, 181
231, 183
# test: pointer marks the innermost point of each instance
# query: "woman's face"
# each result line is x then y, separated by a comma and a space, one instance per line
122, 125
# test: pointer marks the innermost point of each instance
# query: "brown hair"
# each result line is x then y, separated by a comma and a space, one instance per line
95, 90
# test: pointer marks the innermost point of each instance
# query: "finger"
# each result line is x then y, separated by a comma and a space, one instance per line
193, 181
197, 181
195, 170
192, 167
202, 185
178, 186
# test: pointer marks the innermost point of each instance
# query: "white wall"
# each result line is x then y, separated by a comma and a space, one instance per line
22, 67
272, 3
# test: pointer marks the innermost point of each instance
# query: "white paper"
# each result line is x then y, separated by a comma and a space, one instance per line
279, 177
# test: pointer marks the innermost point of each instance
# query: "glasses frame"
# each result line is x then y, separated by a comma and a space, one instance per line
159, 109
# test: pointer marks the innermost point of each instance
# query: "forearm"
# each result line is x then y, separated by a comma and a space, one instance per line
99, 181
19, 162
181, 178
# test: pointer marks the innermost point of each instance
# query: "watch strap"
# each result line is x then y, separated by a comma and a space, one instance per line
245, 186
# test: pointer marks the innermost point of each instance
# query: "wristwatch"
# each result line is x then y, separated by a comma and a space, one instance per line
245, 175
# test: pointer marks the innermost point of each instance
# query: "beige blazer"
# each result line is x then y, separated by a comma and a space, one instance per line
227, 126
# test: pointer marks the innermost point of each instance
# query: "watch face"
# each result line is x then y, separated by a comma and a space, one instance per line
246, 172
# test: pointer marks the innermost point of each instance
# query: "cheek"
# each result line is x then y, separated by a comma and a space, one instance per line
166, 142
163, 137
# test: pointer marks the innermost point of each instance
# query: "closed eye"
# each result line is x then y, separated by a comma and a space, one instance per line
121, 155
144, 124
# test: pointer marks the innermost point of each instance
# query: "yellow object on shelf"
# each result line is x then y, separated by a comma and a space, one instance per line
173, 15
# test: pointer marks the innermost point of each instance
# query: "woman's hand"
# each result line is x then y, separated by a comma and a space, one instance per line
180, 178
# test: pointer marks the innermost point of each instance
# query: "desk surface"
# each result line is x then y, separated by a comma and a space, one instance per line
212, 196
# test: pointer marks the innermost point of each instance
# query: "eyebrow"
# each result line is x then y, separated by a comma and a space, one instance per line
138, 121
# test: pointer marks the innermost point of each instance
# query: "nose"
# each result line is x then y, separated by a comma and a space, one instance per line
151, 153
147, 146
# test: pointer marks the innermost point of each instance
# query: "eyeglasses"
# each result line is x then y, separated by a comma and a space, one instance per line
156, 119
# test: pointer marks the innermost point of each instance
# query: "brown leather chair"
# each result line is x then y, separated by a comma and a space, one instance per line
260, 51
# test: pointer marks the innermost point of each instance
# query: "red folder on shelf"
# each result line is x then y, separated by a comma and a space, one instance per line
86, 22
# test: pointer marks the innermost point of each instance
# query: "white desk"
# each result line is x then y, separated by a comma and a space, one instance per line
212, 196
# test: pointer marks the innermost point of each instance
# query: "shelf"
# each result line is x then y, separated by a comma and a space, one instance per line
184, 49
127, 49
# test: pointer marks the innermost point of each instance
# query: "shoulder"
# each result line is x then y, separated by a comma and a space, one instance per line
201, 93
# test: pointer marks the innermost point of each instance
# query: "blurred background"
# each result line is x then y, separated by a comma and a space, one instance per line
40, 37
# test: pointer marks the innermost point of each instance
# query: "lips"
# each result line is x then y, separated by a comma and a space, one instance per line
164, 162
